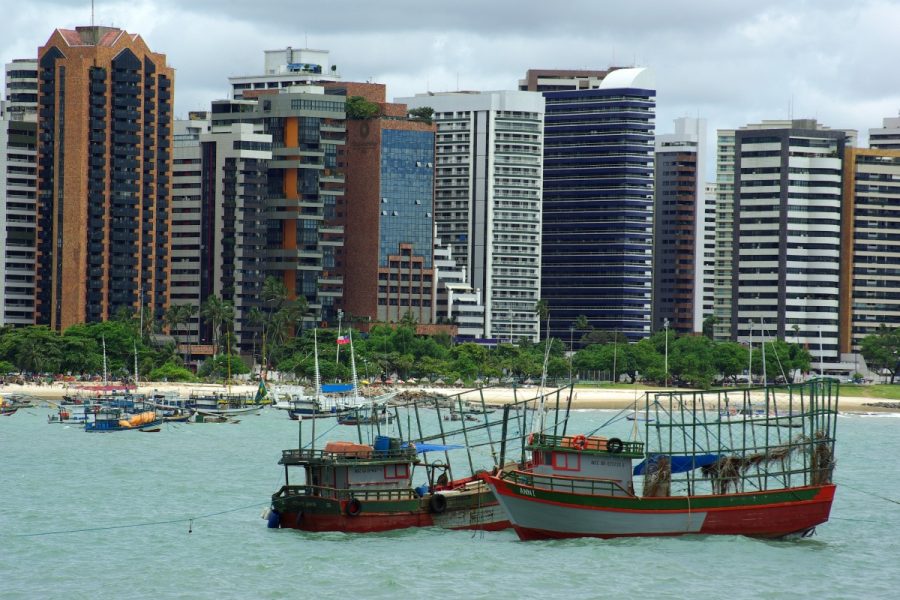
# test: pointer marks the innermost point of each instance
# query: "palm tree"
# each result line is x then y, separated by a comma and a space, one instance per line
216, 312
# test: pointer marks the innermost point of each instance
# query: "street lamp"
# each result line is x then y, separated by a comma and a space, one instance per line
666, 377
571, 351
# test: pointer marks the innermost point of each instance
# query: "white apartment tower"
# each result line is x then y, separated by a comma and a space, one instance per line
488, 185
18, 138
787, 234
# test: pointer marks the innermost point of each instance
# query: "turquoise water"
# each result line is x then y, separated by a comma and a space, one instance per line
145, 488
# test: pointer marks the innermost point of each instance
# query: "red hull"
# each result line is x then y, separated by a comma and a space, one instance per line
770, 521
373, 523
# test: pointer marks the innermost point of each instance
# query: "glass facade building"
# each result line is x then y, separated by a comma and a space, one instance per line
407, 192
598, 205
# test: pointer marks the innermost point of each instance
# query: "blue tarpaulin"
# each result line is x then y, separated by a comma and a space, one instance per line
336, 388
680, 464
436, 447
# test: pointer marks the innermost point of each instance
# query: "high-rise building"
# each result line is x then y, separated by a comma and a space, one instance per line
556, 80
305, 205
870, 281
724, 233
234, 221
787, 234
680, 223
284, 69
389, 169
18, 168
187, 230
709, 251
488, 182
104, 164
598, 204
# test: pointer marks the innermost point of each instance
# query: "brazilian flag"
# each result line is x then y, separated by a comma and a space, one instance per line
262, 394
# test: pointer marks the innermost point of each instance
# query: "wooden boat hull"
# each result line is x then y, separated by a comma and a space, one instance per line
478, 511
544, 514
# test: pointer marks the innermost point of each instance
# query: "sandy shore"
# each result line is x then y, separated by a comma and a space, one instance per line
584, 397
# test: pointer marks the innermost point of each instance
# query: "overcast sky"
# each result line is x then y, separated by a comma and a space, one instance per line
732, 62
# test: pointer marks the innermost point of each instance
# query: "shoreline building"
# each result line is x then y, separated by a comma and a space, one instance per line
680, 224
187, 225
597, 208
787, 235
389, 198
724, 239
870, 273
18, 208
104, 168
305, 184
487, 206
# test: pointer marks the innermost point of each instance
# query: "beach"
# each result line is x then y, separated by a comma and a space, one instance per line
583, 397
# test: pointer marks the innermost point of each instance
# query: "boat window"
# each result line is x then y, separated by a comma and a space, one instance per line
396, 471
566, 461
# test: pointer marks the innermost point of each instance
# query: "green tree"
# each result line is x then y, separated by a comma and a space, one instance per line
423, 113
358, 108
882, 351
691, 361
730, 359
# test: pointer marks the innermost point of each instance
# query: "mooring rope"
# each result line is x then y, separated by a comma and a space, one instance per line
873, 494
188, 520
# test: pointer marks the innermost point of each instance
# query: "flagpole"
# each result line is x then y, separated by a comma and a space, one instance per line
337, 355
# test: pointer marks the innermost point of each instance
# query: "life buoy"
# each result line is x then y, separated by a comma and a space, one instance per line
354, 507
438, 503
614, 445
579, 442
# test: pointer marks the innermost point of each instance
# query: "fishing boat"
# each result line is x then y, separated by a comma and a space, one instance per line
114, 418
697, 474
361, 488
366, 415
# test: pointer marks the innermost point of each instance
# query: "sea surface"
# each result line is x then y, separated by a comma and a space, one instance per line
176, 514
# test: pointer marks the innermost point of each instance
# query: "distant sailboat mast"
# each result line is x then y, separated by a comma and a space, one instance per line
105, 380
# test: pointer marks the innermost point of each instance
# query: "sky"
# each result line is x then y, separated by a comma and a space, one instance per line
730, 62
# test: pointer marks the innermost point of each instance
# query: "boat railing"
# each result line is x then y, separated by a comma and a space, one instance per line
296, 456
574, 485
320, 491
585, 444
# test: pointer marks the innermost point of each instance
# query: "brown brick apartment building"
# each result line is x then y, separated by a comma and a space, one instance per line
104, 163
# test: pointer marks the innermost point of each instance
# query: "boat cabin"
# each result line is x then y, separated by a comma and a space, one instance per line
346, 469
580, 457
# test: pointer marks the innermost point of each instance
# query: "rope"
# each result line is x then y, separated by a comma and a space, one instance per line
874, 495
189, 520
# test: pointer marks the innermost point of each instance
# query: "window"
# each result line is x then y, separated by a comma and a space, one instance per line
565, 461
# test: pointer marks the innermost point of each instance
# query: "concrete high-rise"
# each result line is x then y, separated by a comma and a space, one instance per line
488, 184
598, 204
18, 168
305, 205
870, 282
680, 223
724, 240
104, 168
787, 234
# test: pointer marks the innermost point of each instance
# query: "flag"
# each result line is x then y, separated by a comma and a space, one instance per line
261, 392
343, 339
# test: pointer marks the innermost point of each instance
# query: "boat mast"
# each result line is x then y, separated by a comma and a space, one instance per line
763, 333
316, 382
134, 345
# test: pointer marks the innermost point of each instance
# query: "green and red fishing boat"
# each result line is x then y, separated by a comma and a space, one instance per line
358, 488
697, 474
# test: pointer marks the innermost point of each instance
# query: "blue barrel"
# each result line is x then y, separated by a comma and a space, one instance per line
382, 443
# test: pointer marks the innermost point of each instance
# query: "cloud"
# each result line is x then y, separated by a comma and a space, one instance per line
731, 62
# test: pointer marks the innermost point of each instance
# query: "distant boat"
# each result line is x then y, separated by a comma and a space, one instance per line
113, 418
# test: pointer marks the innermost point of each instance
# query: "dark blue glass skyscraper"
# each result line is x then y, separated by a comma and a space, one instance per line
598, 205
